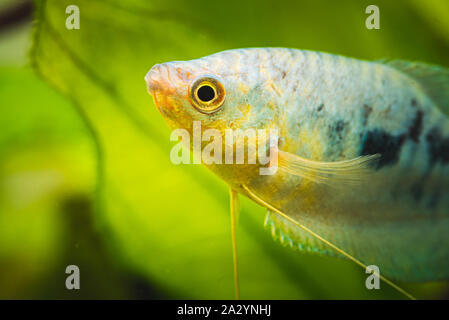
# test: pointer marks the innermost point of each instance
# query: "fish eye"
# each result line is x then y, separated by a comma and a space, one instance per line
207, 94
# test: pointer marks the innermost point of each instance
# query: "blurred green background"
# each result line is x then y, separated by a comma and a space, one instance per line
85, 175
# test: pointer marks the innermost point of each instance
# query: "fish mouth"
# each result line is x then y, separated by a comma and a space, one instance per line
157, 83
158, 80
160, 87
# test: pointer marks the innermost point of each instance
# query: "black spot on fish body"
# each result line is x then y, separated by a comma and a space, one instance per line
366, 113
320, 107
414, 130
336, 129
340, 126
414, 102
387, 145
336, 132
438, 147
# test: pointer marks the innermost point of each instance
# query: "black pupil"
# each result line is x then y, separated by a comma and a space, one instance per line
206, 93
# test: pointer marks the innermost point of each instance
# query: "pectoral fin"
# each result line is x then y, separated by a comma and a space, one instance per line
345, 172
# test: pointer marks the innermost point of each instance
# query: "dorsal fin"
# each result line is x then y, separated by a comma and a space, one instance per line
434, 80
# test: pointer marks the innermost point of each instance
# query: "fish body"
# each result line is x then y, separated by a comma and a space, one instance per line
328, 109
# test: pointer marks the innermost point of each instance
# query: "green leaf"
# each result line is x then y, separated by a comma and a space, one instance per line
171, 223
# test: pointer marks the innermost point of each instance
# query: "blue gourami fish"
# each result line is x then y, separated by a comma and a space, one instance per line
337, 117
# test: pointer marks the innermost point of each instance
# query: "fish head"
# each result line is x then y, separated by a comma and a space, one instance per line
221, 91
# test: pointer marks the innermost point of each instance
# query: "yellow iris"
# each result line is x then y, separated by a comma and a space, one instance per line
207, 94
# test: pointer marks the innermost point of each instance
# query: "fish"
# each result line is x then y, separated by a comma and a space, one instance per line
362, 150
